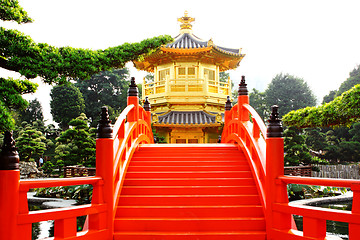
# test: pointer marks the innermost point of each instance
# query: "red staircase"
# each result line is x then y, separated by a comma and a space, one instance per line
176, 191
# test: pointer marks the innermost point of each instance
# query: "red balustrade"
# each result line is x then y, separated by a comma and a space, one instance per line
114, 149
265, 153
263, 148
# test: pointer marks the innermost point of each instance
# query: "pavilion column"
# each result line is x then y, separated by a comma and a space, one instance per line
9, 189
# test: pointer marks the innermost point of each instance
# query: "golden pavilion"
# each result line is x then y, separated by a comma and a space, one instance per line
186, 95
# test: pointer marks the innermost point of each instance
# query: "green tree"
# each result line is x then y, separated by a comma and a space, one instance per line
31, 143
296, 151
315, 139
66, 104
32, 113
349, 151
343, 110
355, 132
10, 10
108, 88
328, 98
11, 99
352, 80
76, 145
289, 93
19, 53
258, 102
224, 76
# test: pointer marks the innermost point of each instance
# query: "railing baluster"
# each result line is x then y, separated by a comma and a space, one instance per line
9, 189
354, 229
315, 228
65, 228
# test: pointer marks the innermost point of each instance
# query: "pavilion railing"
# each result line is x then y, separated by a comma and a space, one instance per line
264, 149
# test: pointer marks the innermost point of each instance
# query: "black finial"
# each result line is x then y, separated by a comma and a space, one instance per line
104, 128
147, 106
242, 87
133, 90
9, 157
228, 104
274, 128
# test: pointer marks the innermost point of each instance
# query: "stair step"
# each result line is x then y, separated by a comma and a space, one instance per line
132, 168
190, 174
190, 211
189, 182
187, 200
188, 190
185, 156
188, 147
188, 163
189, 224
151, 235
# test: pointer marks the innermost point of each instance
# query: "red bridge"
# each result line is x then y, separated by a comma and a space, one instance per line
232, 190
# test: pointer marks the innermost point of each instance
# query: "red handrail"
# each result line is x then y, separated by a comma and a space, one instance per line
247, 135
265, 156
114, 149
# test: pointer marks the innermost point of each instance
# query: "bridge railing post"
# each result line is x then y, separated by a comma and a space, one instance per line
9, 189
275, 191
228, 106
105, 170
354, 229
133, 98
243, 98
147, 108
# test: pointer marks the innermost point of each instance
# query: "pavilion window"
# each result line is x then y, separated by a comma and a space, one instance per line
186, 72
182, 72
163, 74
210, 74
191, 72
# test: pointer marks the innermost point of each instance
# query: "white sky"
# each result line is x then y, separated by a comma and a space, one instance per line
317, 40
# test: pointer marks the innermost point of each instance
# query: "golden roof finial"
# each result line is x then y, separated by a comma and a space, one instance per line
186, 21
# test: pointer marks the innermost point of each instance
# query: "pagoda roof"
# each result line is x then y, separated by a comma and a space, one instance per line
187, 118
190, 41
188, 47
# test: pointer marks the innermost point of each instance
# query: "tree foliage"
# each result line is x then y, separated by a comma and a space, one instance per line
32, 113
66, 104
296, 151
315, 139
10, 10
257, 101
77, 144
11, 99
352, 80
343, 110
31, 143
107, 88
58, 65
19, 53
289, 93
